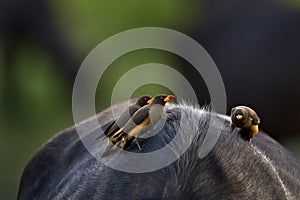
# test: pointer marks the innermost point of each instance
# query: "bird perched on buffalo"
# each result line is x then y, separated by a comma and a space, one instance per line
125, 116
142, 120
246, 119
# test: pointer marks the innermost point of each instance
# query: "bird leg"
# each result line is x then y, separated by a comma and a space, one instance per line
127, 141
118, 136
137, 143
245, 134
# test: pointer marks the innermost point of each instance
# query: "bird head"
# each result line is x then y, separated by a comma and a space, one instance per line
162, 99
143, 100
239, 116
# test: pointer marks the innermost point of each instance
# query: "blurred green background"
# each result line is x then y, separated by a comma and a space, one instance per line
36, 84
37, 104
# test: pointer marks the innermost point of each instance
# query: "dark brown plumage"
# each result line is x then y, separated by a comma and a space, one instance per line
122, 120
125, 116
246, 119
142, 120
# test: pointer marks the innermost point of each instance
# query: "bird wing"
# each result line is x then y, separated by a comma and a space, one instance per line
121, 121
132, 109
141, 115
137, 119
255, 120
105, 127
106, 131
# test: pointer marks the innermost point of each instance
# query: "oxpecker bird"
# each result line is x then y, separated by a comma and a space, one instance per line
246, 119
125, 116
144, 119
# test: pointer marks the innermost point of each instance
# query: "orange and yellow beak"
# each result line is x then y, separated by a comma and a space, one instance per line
149, 101
239, 117
169, 97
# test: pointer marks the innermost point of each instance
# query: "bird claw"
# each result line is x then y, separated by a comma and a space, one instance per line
118, 143
137, 143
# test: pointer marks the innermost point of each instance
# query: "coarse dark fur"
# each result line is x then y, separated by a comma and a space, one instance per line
234, 169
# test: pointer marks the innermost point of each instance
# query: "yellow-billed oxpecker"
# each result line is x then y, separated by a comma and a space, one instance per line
142, 120
125, 116
246, 119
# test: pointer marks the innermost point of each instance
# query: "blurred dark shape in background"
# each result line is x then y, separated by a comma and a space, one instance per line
32, 21
255, 45
25, 25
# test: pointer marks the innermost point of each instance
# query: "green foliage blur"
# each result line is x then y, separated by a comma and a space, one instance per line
38, 103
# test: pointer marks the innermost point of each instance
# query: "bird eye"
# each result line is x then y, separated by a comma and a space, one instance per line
145, 99
161, 97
